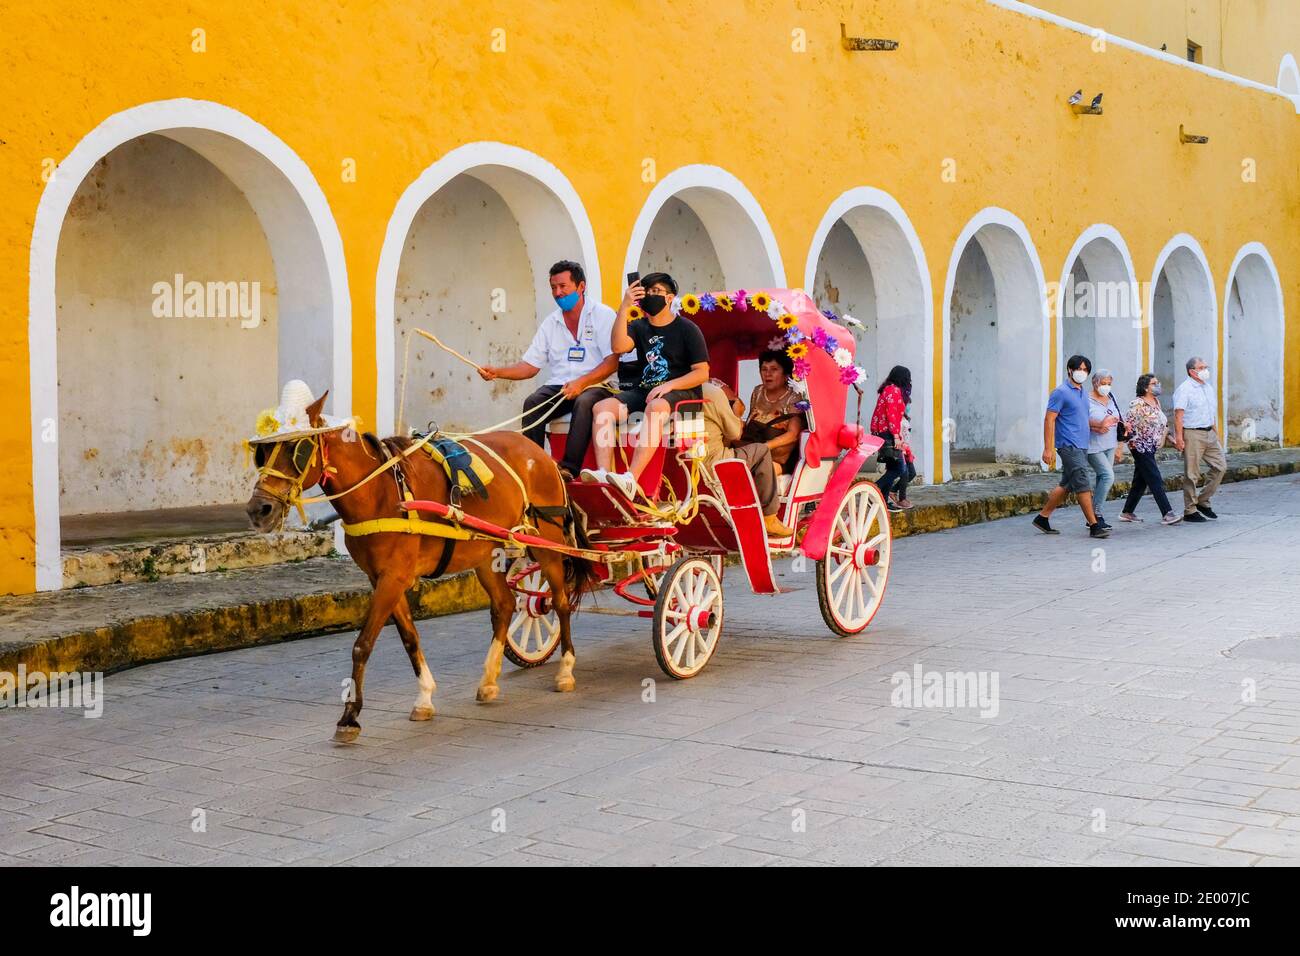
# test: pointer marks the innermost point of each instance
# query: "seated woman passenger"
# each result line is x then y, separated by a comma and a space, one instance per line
773, 419
722, 431
675, 363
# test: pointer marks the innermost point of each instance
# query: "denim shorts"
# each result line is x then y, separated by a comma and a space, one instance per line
1074, 469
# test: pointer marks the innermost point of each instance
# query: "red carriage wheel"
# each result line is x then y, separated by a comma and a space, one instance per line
687, 617
851, 577
534, 630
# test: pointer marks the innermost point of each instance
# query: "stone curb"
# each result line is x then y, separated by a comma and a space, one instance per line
149, 638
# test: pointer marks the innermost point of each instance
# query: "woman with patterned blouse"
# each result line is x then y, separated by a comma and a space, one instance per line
889, 421
1148, 428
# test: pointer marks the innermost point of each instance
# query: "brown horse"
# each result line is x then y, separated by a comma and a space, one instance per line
394, 560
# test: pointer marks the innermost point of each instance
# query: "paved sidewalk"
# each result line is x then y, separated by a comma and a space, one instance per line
1148, 714
112, 627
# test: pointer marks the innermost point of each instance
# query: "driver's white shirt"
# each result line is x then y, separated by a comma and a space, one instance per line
549, 351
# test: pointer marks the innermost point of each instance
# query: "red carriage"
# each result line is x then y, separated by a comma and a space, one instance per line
665, 552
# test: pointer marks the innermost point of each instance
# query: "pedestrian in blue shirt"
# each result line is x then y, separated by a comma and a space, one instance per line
1066, 432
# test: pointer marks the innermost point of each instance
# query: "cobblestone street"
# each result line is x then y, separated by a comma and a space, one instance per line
1147, 712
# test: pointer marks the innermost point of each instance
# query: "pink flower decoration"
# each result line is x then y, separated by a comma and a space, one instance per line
848, 375
742, 299
802, 367
819, 337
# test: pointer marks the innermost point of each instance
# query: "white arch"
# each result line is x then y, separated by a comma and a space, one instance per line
743, 239
288, 206
515, 175
1106, 258
1191, 286
1273, 289
1004, 239
1288, 80
902, 276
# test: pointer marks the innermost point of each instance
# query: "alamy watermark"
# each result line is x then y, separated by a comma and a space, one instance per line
208, 300
73, 689
946, 689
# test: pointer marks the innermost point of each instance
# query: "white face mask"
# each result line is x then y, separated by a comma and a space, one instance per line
1203, 375
1079, 375
1103, 391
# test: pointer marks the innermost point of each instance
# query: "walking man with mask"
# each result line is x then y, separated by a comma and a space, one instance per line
1066, 432
1195, 415
572, 346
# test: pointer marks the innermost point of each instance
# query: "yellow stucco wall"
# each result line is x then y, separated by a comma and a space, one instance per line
1243, 37
397, 85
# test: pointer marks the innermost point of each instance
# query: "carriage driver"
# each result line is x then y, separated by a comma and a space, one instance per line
572, 347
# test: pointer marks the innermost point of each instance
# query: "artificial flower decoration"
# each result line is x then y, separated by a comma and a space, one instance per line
741, 301
801, 368
849, 375
775, 310
843, 357
798, 350
862, 375
819, 337
267, 423
794, 335
635, 313
775, 344
830, 315
708, 302
690, 304
725, 303
786, 321
853, 323
802, 405
760, 301
676, 307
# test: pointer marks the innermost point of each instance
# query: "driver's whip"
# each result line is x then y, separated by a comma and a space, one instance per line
447, 348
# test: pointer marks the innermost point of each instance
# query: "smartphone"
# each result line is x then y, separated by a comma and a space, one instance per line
632, 277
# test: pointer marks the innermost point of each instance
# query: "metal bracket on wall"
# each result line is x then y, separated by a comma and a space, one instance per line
1186, 137
861, 44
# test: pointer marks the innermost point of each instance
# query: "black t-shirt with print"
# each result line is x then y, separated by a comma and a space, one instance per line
667, 351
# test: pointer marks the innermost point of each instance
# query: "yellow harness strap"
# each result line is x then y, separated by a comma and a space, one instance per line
410, 525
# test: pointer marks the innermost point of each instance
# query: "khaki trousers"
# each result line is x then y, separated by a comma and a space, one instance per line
1201, 447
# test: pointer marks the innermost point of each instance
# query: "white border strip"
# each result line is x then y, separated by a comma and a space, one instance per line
1016, 6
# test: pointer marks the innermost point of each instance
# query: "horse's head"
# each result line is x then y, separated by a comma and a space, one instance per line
284, 469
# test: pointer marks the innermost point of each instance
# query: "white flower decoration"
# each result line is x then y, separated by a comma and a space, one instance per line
676, 307
843, 357
852, 323
862, 375
775, 310
799, 386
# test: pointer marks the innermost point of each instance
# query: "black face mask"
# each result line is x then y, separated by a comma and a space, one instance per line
652, 304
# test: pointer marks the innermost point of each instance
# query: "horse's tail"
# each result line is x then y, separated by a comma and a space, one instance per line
579, 573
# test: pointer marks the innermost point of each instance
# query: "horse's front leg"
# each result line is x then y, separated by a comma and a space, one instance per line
423, 708
502, 606
389, 590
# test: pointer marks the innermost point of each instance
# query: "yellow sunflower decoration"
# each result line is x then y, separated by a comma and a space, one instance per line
635, 313
724, 303
690, 304
786, 321
798, 350
760, 301
267, 422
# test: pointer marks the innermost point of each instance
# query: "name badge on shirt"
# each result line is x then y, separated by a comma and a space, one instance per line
577, 353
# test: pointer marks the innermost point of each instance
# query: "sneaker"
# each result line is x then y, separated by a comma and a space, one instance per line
625, 482
1207, 511
595, 475
1125, 516
1099, 530
905, 504
1043, 525
1172, 518
892, 506
1196, 516
775, 529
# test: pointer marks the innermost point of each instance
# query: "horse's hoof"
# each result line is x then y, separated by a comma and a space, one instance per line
422, 713
565, 684
346, 735
487, 694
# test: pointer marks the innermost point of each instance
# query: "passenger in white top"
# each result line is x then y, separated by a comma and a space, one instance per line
1195, 415
572, 348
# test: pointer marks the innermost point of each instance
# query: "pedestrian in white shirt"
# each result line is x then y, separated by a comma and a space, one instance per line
1195, 416
572, 347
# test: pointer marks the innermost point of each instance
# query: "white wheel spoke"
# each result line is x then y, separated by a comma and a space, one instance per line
521, 616
839, 571
843, 590
875, 586
840, 552
681, 635
875, 542
862, 600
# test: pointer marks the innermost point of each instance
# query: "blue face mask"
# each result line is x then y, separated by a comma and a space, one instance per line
567, 302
